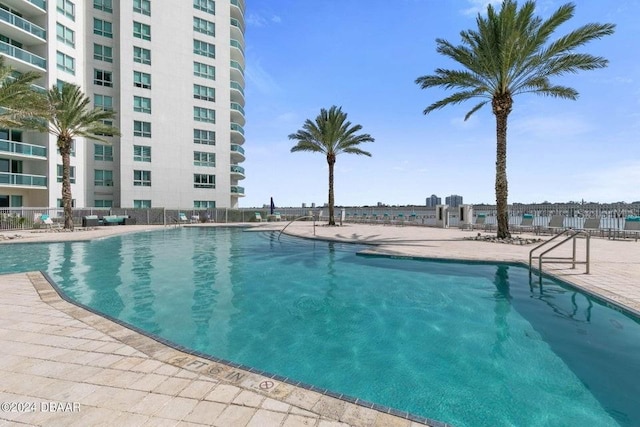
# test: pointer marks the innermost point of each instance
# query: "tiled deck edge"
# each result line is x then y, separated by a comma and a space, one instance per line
270, 385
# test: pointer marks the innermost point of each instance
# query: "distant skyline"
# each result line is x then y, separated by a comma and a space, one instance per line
304, 56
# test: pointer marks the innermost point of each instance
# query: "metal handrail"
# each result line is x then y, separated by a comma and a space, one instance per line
573, 235
295, 219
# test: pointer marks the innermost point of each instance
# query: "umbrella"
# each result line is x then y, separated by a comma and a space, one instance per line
273, 207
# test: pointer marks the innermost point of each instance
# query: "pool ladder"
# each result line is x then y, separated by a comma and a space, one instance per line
295, 219
571, 235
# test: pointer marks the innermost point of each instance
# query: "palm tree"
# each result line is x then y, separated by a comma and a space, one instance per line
17, 97
330, 134
68, 117
510, 54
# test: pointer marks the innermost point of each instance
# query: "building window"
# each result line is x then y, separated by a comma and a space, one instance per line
142, 6
103, 203
65, 35
142, 129
204, 70
11, 135
205, 137
142, 104
142, 178
142, 80
108, 123
102, 28
204, 181
104, 5
103, 102
142, 204
201, 158
67, 8
141, 153
65, 63
208, 6
203, 26
204, 115
103, 178
72, 174
103, 78
102, 53
102, 153
204, 48
204, 204
141, 31
141, 55
204, 92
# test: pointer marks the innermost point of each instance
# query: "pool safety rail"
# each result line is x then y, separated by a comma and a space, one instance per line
313, 218
570, 235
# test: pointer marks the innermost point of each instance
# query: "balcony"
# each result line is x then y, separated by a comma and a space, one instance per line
237, 92
238, 7
22, 180
237, 71
237, 172
20, 29
237, 113
21, 60
237, 51
28, 7
237, 191
237, 153
20, 149
237, 28
237, 133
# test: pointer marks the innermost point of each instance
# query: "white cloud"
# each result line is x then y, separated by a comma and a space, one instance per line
615, 183
259, 20
479, 6
255, 20
544, 127
261, 79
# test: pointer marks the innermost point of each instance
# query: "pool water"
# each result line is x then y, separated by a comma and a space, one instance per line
469, 344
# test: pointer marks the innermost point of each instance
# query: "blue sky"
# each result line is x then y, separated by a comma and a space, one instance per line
365, 56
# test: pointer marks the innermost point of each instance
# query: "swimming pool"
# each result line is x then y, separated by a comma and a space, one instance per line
465, 343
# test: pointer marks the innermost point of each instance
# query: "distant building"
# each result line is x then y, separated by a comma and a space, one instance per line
433, 201
453, 200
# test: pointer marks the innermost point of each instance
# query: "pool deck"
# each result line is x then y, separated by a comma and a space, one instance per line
73, 367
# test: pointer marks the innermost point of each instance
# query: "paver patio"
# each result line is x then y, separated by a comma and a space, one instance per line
73, 367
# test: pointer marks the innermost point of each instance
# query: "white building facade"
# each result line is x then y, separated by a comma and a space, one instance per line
174, 75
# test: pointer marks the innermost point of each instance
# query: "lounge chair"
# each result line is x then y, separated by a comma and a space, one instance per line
46, 221
631, 228
556, 224
278, 216
592, 225
480, 224
182, 218
526, 224
259, 217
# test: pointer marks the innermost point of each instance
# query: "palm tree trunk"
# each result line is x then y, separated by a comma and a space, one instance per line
65, 151
332, 161
501, 108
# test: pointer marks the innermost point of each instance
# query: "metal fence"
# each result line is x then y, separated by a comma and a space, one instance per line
612, 215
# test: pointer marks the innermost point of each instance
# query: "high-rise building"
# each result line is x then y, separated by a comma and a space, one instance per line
453, 200
173, 74
433, 201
